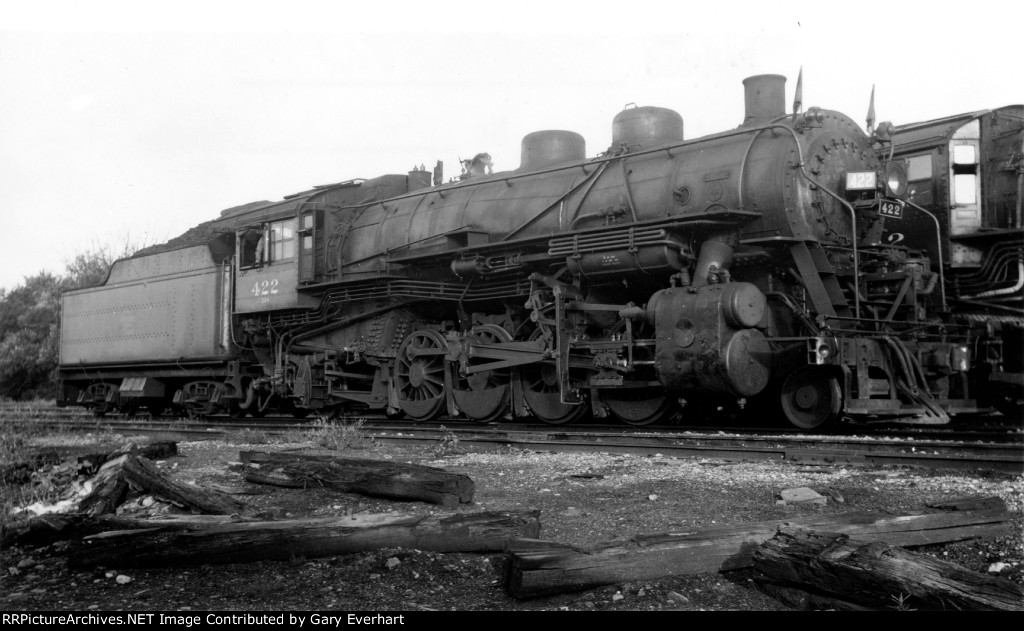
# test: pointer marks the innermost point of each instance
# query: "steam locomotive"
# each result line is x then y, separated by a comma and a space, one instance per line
756, 267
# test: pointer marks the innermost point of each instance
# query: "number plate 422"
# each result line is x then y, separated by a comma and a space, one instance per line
891, 209
263, 289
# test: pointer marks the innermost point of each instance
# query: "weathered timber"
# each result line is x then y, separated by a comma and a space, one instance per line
247, 541
535, 573
108, 489
86, 464
160, 450
21, 471
376, 478
46, 529
806, 601
142, 473
835, 566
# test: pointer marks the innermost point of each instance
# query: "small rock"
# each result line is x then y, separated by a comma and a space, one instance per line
802, 495
392, 563
652, 497
589, 604
146, 503
26, 563
617, 597
93, 607
13, 571
17, 596
676, 597
110, 574
374, 577
996, 568
123, 579
641, 593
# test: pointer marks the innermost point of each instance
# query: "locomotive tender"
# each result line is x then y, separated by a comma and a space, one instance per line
752, 266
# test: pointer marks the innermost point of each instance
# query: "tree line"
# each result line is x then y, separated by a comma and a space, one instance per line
30, 323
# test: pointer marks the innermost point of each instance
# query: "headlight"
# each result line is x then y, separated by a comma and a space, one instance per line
895, 178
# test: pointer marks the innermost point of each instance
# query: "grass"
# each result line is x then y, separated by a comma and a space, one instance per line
334, 435
246, 436
25, 478
446, 445
20, 483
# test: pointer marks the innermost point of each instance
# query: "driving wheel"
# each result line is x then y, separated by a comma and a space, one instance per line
484, 396
420, 375
540, 390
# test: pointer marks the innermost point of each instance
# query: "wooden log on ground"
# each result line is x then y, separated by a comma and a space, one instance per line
247, 541
108, 489
877, 575
376, 478
88, 464
536, 573
46, 529
143, 474
21, 471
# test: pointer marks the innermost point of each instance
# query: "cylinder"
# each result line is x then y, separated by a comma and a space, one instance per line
546, 148
765, 98
705, 342
742, 305
646, 126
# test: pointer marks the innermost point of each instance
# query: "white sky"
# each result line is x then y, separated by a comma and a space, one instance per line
134, 121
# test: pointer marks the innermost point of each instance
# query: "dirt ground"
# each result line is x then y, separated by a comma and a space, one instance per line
583, 499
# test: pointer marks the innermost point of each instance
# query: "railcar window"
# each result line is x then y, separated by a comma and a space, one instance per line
282, 240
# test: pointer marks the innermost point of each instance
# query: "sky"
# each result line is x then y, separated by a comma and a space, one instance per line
126, 123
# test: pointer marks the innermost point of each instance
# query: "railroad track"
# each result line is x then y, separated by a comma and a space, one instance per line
983, 428
1001, 450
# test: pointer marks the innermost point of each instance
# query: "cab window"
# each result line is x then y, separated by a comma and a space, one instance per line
919, 178
282, 240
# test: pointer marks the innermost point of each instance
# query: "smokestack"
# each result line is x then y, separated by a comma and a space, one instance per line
765, 97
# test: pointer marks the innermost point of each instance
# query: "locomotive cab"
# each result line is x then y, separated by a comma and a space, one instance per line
267, 268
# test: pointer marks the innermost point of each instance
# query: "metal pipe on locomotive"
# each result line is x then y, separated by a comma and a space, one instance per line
749, 266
